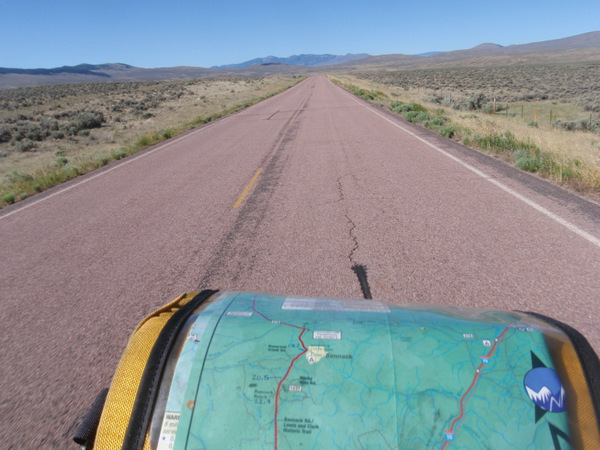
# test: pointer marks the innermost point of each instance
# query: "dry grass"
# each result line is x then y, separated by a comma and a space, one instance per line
569, 157
136, 115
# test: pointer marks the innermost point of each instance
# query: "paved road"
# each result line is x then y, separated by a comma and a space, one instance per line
286, 196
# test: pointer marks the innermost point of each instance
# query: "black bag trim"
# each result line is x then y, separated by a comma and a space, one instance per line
150, 382
587, 357
87, 430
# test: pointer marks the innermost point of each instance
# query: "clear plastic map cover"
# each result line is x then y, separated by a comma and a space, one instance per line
261, 371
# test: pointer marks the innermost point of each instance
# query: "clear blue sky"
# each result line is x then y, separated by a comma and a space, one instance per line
157, 33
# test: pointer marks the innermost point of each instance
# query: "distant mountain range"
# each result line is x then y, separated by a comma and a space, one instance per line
583, 48
575, 49
81, 69
299, 60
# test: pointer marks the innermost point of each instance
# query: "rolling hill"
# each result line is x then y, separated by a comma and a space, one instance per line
300, 60
583, 48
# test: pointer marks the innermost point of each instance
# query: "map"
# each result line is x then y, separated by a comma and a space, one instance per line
259, 371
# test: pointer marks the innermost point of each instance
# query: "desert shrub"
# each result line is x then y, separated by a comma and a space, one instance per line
30, 131
368, 95
48, 125
576, 125
559, 123
526, 161
527, 97
438, 121
489, 108
401, 107
16, 178
119, 154
5, 134
501, 142
416, 116
447, 132
62, 161
475, 102
592, 107
82, 121
88, 120
8, 198
450, 103
25, 145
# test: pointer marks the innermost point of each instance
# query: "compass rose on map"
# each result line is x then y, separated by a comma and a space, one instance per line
544, 388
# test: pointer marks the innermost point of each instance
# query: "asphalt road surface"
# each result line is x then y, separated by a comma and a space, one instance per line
287, 197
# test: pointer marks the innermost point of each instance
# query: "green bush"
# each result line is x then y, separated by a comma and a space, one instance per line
25, 146
8, 198
475, 102
85, 121
400, 107
438, 121
367, 95
5, 134
62, 161
119, 154
576, 125
447, 132
15, 178
29, 131
416, 116
489, 108
525, 161
502, 142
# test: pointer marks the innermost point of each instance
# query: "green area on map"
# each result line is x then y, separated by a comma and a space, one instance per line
259, 371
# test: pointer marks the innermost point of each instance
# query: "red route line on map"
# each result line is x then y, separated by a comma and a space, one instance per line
472, 385
291, 364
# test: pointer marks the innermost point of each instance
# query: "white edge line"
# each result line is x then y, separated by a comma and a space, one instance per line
104, 172
575, 229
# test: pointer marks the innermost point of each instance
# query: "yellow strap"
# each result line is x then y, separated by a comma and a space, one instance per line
127, 377
584, 433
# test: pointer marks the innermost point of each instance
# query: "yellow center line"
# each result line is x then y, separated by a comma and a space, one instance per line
245, 193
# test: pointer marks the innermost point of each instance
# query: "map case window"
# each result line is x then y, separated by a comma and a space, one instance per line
260, 371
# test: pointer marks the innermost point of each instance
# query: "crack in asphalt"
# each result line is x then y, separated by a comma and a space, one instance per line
352, 231
360, 270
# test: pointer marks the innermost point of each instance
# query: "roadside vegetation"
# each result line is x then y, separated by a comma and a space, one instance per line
544, 120
51, 134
